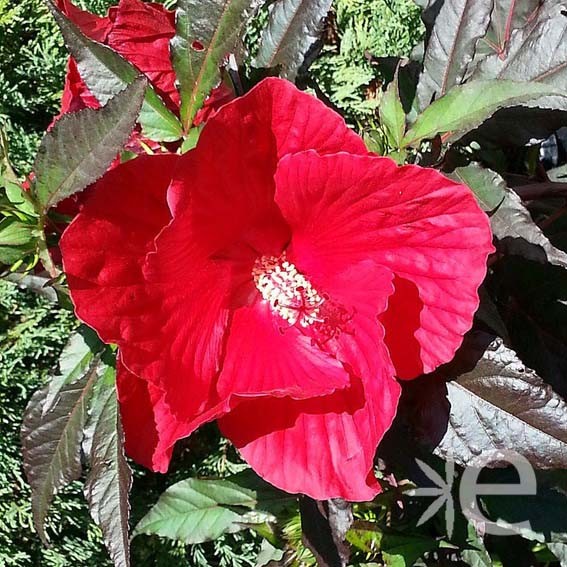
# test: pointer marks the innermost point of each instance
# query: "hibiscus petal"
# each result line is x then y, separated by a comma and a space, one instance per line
231, 217
296, 121
322, 447
272, 120
229, 206
76, 95
105, 246
264, 356
141, 32
191, 312
139, 410
325, 446
151, 429
161, 339
428, 230
93, 26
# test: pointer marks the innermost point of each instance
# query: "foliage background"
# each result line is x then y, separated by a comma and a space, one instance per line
32, 333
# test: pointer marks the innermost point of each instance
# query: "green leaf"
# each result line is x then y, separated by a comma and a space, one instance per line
398, 549
476, 558
467, 106
375, 141
489, 188
18, 197
268, 554
17, 239
109, 480
206, 32
519, 235
476, 554
404, 550
191, 140
52, 441
106, 74
392, 115
15, 233
9, 255
81, 146
294, 26
195, 511
458, 27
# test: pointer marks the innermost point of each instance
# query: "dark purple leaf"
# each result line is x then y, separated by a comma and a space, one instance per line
294, 26
535, 53
75, 360
430, 11
109, 479
458, 27
81, 146
519, 235
499, 405
533, 300
489, 315
538, 517
525, 41
507, 16
52, 440
518, 126
560, 551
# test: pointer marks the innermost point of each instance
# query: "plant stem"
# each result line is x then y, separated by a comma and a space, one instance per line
44, 254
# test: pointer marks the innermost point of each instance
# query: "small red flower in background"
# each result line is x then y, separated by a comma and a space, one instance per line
277, 278
140, 32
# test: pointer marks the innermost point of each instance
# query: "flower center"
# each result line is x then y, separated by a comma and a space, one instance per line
289, 293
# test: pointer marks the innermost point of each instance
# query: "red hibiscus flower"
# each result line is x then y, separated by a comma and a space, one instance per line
277, 278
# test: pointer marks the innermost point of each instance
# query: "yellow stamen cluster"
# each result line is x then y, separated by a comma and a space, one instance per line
288, 292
